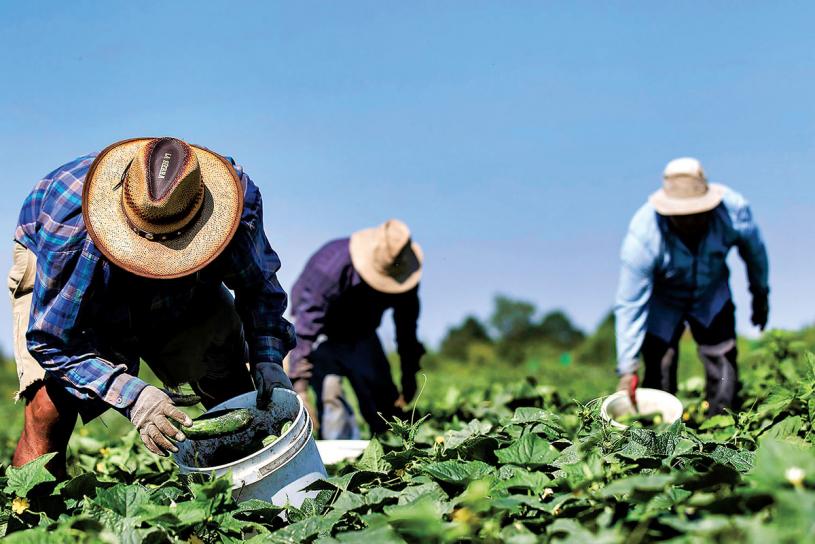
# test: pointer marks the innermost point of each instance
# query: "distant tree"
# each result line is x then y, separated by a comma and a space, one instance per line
600, 348
512, 319
558, 330
458, 341
513, 323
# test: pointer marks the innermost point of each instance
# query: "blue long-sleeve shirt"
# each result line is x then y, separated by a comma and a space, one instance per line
662, 282
87, 315
330, 298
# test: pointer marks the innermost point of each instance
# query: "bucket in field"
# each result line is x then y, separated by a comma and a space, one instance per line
648, 401
276, 473
334, 451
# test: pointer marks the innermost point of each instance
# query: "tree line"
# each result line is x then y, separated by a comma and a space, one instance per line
516, 330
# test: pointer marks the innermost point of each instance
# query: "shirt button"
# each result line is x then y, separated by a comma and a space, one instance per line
119, 400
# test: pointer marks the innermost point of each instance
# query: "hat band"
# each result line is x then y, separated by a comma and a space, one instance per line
163, 237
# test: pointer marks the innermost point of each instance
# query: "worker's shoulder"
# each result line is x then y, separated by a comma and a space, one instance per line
62, 187
331, 256
733, 200
736, 207
53, 208
644, 222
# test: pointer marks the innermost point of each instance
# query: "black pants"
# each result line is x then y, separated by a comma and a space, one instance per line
717, 351
365, 365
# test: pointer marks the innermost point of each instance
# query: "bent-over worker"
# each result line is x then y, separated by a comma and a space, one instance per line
674, 273
337, 304
128, 254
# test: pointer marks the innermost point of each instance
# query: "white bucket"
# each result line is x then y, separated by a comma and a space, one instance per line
334, 451
649, 401
276, 473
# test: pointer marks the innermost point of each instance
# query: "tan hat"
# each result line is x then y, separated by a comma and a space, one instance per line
685, 190
159, 207
386, 257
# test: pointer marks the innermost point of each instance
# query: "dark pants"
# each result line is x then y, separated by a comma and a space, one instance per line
717, 351
365, 365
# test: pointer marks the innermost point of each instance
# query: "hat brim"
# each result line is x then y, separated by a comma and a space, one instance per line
200, 243
666, 205
361, 247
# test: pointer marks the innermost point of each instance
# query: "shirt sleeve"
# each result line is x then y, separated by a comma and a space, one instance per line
752, 251
631, 307
405, 316
314, 293
56, 337
251, 272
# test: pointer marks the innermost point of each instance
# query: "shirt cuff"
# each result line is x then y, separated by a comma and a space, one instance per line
628, 367
124, 391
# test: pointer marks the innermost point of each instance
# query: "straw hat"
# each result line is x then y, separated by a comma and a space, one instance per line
386, 258
159, 207
685, 190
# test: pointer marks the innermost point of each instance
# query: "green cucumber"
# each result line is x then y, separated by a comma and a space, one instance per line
272, 438
180, 399
220, 423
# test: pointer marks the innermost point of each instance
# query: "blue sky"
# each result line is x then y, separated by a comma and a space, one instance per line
516, 139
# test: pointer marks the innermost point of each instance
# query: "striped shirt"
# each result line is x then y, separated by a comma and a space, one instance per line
85, 311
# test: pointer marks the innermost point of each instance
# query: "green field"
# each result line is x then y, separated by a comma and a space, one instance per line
499, 452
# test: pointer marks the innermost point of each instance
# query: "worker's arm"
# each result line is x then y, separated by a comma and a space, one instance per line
752, 251
56, 337
405, 317
311, 296
251, 272
631, 307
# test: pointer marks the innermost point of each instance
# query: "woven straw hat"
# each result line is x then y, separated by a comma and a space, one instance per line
386, 257
685, 190
159, 207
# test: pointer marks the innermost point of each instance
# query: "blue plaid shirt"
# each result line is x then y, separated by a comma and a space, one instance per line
81, 324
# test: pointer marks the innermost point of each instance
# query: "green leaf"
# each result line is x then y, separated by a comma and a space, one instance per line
640, 482
454, 439
719, 421
372, 458
531, 451
512, 477
458, 472
788, 426
412, 493
782, 465
23, 479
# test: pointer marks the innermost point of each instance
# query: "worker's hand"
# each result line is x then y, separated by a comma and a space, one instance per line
268, 377
408, 387
761, 311
628, 383
151, 414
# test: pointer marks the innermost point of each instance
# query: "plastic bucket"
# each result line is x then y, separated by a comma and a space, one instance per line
648, 401
276, 473
334, 451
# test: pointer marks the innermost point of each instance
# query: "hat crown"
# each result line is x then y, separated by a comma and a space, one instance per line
393, 240
684, 178
163, 189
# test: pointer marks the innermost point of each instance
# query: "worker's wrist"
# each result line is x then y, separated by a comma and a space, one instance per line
627, 367
123, 392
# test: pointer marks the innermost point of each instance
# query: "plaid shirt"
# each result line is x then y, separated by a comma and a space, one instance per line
81, 328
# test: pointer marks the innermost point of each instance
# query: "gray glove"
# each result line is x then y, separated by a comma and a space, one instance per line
150, 415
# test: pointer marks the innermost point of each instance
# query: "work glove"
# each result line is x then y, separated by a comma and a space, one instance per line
151, 414
268, 377
628, 383
761, 311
